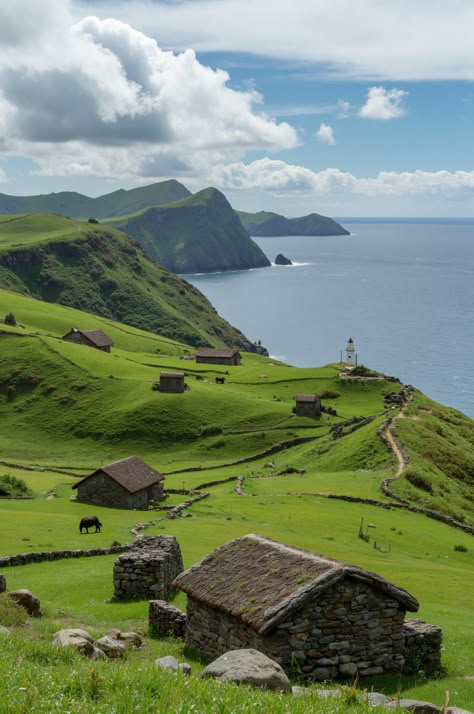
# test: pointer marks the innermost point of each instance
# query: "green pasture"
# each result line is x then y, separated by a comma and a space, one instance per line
21, 230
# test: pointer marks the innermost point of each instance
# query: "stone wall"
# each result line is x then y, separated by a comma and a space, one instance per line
422, 647
147, 571
45, 555
102, 490
352, 628
165, 620
3, 583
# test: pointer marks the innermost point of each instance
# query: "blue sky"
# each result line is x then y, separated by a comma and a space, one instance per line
347, 109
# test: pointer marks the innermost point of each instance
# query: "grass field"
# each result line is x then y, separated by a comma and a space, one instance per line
71, 407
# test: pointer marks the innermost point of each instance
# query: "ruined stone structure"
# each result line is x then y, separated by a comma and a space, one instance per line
207, 355
165, 620
90, 338
171, 382
311, 614
422, 647
147, 571
307, 405
129, 483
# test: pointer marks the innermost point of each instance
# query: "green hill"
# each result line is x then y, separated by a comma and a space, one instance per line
198, 234
119, 202
265, 223
305, 481
105, 272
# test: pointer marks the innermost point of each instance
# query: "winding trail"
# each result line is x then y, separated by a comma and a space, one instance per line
402, 462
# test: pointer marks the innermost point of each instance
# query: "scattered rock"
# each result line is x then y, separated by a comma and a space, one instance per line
4, 631
131, 639
97, 654
168, 663
27, 601
110, 647
80, 639
328, 693
377, 699
413, 705
282, 260
456, 710
114, 633
248, 667
301, 691
185, 668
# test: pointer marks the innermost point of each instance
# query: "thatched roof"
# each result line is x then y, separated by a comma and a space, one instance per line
261, 582
211, 352
97, 337
308, 398
131, 473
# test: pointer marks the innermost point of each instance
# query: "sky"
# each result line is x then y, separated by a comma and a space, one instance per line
343, 108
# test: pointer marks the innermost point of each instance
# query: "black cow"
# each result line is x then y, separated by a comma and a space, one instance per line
88, 522
220, 380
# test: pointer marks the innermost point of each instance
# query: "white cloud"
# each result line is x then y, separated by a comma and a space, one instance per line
100, 97
325, 134
343, 109
282, 178
400, 40
383, 104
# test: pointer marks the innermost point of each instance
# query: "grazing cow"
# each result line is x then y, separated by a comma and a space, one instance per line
88, 522
220, 380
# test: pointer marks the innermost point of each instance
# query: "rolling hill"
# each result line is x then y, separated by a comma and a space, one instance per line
103, 271
118, 203
198, 234
265, 223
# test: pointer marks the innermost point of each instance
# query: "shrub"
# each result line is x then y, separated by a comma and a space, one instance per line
418, 480
11, 486
10, 319
460, 548
211, 430
329, 394
92, 220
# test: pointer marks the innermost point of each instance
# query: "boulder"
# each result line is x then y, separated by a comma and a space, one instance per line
4, 631
377, 699
282, 260
456, 710
168, 663
27, 601
413, 705
248, 667
113, 649
184, 668
3, 583
131, 639
80, 639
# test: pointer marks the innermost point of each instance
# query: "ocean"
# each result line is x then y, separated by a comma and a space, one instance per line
404, 292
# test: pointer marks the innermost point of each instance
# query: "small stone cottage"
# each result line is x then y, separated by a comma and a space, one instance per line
312, 614
129, 483
171, 382
307, 405
207, 355
90, 338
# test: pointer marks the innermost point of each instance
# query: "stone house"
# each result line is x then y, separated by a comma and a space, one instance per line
208, 355
171, 382
307, 405
90, 338
313, 615
129, 483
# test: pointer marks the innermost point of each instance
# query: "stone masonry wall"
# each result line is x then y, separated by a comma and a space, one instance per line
351, 629
422, 647
104, 491
147, 571
165, 620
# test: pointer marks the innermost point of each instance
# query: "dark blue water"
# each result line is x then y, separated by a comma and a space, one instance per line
404, 292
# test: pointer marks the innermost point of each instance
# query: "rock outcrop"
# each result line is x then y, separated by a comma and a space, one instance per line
249, 667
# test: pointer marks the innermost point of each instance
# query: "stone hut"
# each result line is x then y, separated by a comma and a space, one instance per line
313, 615
307, 405
171, 382
129, 483
207, 355
90, 338
148, 570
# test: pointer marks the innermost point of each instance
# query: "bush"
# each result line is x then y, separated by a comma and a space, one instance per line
211, 430
418, 480
10, 319
329, 394
460, 548
11, 487
11, 613
92, 220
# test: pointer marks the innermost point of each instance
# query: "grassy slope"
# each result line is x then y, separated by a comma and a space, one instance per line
111, 204
110, 418
196, 234
103, 271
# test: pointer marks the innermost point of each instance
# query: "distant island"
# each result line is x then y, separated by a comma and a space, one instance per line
265, 223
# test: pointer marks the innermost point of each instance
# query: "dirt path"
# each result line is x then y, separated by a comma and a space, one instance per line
402, 464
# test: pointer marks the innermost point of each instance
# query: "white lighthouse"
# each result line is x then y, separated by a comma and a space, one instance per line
350, 352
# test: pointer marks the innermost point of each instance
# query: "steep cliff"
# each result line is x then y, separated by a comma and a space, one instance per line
199, 234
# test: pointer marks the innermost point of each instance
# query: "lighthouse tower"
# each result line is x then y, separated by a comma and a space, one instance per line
350, 352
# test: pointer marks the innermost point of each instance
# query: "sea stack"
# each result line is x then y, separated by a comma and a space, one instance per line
282, 260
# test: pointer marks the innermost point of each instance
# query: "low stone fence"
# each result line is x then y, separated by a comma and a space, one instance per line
422, 647
45, 555
148, 569
165, 620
